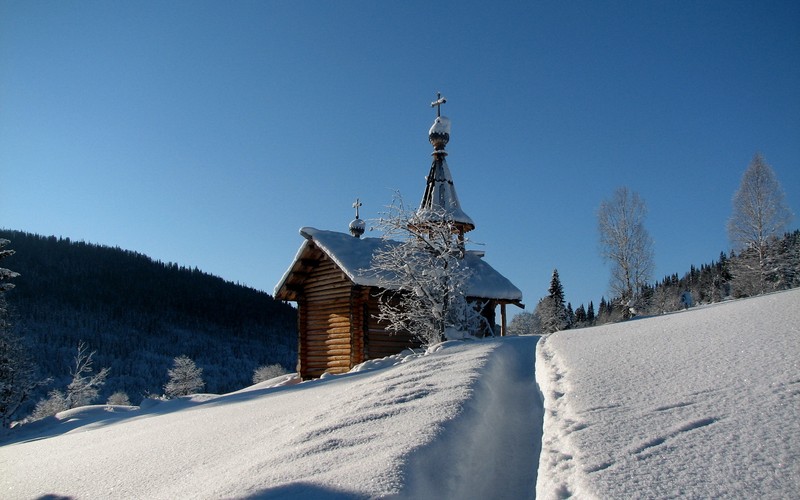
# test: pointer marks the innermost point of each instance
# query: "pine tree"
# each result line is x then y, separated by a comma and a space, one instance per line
551, 309
590, 313
17, 379
570, 317
580, 316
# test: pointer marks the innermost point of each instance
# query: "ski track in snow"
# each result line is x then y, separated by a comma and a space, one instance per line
700, 404
460, 420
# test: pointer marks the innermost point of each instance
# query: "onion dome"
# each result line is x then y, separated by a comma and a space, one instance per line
357, 226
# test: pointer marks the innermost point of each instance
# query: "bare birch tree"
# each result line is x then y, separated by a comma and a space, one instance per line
626, 244
759, 215
85, 385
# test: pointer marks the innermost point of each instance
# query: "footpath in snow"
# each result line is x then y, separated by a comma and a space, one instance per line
462, 422
698, 404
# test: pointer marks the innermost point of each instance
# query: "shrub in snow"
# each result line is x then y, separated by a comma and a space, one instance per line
267, 372
184, 378
525, 323
54, 403
119, 398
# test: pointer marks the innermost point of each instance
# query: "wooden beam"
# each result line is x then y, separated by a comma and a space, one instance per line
502, 320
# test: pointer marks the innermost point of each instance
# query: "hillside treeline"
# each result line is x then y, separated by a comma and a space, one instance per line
731, 276
138, 314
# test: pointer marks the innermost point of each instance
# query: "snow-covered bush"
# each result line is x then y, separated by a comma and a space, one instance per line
119, 398
267, 372
184, 378
54, 403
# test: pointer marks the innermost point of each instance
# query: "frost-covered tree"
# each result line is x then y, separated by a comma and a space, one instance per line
525, 323
267, 372
184, 378
17, 370
424, 277
49, 406
85, 385
119, 398
759, 215
627, 245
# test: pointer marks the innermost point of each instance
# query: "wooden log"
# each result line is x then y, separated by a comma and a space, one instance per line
330, 351
322, 336
327, 284
323, 345
317, 309
326, 330
329, 361
328, 297
330, 315
330, 321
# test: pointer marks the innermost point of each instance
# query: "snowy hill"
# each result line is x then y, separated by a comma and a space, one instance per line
698, 404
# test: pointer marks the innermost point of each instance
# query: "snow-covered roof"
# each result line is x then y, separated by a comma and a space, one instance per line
440, 196
354, 257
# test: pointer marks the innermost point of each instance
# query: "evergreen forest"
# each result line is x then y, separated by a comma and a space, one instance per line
139, 314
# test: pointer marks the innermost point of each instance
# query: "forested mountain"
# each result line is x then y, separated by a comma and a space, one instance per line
139, 314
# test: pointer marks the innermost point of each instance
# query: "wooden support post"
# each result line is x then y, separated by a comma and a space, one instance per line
503, 319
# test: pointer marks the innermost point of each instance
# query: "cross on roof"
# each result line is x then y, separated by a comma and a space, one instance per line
438, 103
356, 205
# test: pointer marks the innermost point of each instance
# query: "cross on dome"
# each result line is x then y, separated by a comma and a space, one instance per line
438, 103
357, 226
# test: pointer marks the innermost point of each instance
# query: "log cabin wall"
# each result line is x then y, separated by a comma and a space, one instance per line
326, 324
379, 341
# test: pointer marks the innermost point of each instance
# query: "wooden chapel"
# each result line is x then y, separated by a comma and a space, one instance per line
337, 301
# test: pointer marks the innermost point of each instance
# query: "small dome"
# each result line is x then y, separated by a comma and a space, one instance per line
357, 227
439, 134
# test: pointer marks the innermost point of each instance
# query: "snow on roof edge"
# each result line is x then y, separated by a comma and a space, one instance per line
354, 257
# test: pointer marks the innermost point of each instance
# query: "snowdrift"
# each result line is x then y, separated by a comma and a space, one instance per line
697, 404
459, 422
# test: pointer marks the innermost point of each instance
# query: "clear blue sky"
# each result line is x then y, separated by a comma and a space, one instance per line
208, 133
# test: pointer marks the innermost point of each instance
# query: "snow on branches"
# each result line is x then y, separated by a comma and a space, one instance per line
424, 278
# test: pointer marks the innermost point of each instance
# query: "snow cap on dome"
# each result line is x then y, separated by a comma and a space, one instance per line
357, 227
440, 126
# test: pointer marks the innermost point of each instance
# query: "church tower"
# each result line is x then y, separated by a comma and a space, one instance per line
440, 199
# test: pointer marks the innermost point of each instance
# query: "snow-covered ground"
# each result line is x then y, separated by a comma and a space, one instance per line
460, 422
701, 404
698, 404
